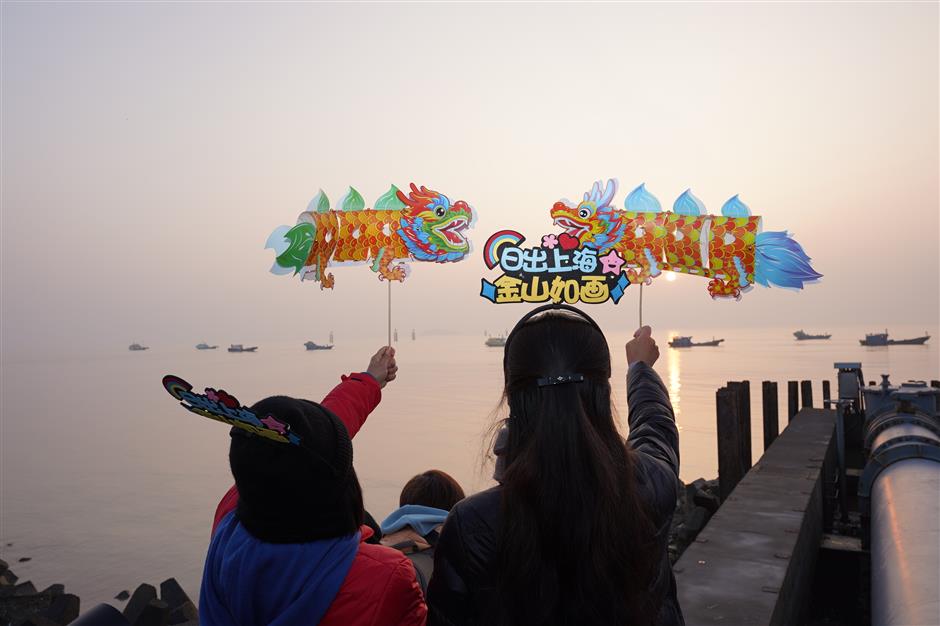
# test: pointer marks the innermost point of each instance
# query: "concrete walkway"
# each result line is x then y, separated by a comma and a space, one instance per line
753, 563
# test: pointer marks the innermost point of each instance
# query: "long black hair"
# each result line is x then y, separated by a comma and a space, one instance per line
575, 545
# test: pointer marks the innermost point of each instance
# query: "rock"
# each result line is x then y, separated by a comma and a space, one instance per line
13, 609
156, 613
708, 501
24, 589
139, 602
38, 620
54, 590
172, 593
4, 566
25, 559
64, 609
184, 613
696, 520
8, 578
124, 595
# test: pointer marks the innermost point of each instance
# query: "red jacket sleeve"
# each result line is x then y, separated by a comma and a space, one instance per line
352, 400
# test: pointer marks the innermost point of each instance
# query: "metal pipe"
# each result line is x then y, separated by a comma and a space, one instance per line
901, 484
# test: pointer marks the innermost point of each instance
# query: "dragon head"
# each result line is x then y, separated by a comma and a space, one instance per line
432, 227
593, 221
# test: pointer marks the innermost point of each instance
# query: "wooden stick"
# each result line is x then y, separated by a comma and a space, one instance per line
641, 305
389, 313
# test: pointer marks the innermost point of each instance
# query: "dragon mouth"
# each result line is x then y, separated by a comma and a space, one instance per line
453, 231
571, 227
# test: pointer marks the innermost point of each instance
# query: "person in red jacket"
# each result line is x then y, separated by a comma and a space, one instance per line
281, 552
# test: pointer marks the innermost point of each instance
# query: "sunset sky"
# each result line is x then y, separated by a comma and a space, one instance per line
148, 150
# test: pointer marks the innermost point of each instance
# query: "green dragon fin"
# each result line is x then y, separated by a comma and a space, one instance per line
319, 204
352, 201
389, 201
300, 241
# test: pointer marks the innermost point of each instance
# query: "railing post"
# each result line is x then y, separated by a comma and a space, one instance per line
793, 399
827, 395
806, 391
730, 464
771, 423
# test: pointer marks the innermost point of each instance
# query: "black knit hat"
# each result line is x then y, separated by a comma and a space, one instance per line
296, 494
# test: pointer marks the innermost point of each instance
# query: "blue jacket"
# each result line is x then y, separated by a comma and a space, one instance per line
247, 581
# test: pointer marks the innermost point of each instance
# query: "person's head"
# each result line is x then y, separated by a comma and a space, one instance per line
574, 529
296, 493
432, 488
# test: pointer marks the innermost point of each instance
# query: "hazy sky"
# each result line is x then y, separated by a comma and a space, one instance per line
149, 149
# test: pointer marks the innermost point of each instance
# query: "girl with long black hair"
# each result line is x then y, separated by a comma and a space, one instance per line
577, 530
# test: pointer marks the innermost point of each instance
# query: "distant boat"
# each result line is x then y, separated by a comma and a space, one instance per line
881, 339
801, 336
136, 347
315, 346
205, 346
237, 347
686, 342
496, 342
331, 337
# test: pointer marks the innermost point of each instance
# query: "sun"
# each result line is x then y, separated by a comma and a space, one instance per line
670, 276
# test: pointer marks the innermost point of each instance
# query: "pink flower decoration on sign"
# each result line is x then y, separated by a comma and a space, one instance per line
549, 241
212, 395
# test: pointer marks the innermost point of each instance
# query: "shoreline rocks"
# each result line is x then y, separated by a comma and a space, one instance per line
22, 605
696, 503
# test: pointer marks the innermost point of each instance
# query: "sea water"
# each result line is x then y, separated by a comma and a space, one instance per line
107, 482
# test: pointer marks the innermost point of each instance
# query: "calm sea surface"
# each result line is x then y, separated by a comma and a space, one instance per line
107, 483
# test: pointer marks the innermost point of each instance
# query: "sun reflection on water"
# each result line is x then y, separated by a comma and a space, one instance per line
674, 381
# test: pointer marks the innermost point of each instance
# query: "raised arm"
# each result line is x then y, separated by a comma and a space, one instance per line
358, 394
651, 420
352, 400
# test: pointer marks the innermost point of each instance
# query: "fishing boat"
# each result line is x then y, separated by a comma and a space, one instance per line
801, 336
136, 347
205, 346
237, 347
881, 339
495, 342
686, 342
315, 346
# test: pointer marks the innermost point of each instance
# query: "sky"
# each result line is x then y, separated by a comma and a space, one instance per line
148, 150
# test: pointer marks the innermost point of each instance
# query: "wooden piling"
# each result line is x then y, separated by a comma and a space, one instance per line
730, 462
771, 423
793, 399
826, 394
806, 391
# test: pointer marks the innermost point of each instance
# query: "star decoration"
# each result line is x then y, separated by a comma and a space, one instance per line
612, 262
271, 422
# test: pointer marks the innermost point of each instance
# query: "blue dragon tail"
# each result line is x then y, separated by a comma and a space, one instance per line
780, 260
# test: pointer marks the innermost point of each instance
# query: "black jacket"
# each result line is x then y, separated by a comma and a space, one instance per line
462, 590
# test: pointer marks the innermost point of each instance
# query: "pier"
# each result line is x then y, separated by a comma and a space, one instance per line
838, 522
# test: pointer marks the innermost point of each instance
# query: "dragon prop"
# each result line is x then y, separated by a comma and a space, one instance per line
423, 225
730, 249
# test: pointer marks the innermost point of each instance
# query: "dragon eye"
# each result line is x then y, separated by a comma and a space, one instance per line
440, 211
584, 213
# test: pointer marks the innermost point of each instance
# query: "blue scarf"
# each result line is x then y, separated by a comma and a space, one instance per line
247, 581
423, 519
